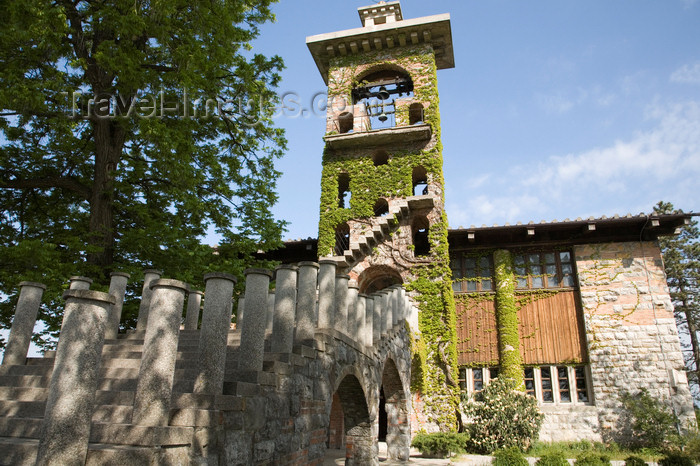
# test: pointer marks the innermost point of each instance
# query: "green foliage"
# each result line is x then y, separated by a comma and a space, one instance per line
509, 457
502, 417
647, 422
692, 446
634, 460
89, 188
676, 459
507, 318
574, 449
440, 444
552, 459
592, 459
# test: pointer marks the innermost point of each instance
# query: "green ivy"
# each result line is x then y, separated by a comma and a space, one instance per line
507, 318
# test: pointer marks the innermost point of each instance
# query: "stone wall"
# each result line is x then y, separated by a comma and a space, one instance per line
631, 333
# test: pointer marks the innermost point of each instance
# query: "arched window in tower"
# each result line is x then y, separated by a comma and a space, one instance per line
419, 180
415, 113
345, 122
378, 91
380, 157
344, 193
342, 239
420, 229
381, 207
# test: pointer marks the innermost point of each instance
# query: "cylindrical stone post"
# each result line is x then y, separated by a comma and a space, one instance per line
216, 321
117, 288
194, 304
402, 304
157, 371
285, 307
20, 338
360, 319
149, 276
376, 318
369, 320
257, 282
239, 312
386, 311
352, 327
270, 312
341, 303
395, 303
326, 293
306, 302
80, 283
65, 430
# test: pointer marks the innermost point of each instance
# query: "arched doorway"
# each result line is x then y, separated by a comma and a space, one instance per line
395, 406
360, 446
377, 278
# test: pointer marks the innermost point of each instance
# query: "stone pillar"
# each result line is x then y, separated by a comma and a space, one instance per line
65, 430
257, 282
341, 303
194, 303
353, 330
361, 319
149, 276
20, 338
376, 318
117, 288
285, 306
270, 311
369, 320
326, 293
216, 321
239, 312
306, 302
396, 305
80, 283
402, 304
386, 311
155, 385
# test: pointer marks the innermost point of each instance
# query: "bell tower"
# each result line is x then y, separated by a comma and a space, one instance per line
382, 217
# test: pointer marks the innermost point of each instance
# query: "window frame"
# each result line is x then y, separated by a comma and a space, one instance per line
556, 389
543, 264
478, 278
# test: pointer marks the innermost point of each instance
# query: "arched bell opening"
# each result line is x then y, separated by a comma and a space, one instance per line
420, 229
342, 239
344, 193
378, 91
381, 207
380, 157
345, 122
419, 179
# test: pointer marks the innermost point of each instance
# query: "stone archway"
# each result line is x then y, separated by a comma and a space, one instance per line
360, 443
398, 427
378, 277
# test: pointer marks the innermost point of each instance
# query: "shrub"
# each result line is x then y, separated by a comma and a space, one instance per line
502, 417
651, 424
676, 459
509, 457
440, 444
692, 447
592, 459
635, 461
553, 458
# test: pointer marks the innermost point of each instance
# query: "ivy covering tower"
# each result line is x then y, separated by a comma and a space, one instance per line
382, 216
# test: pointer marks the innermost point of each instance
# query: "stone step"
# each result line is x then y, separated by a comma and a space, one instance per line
18, 451
27, 409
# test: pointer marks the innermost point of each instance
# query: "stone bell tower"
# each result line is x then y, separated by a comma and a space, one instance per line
382, 217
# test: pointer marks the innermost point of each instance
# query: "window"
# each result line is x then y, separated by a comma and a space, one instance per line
474, 379
558, 384
345, 123
381, 207
342, 239
534, 270
420, 181
378, 92
380, 157
415, 113
421, 240
344, 194
471, 272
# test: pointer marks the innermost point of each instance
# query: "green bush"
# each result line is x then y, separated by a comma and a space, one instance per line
676, 459
554, 458
590, 458
509, 457
502, 417
692, 446
440, 444
650, 423
635, 461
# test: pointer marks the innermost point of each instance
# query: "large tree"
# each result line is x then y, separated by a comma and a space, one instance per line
682, 264
130, 130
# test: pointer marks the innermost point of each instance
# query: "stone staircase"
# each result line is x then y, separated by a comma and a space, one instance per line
382, 228
113, 438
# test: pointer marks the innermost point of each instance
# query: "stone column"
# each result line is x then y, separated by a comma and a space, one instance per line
270, 312
80, 283
20, 338
157, 371
386, 311
395, 303
239, 312
149, 276
65, 430
306, 302
361, 320
341, 303
285, 306
376, 318
194, 303
117, 288
257, 282
402, 304
369, 320
216, 321
352, 327
326, 293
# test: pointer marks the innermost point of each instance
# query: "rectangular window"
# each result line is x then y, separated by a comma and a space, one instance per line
546, 382
493, 373
474, 379
471, 273
530, 381
564, 390
536, 270
581, 387
463, 379
478, 379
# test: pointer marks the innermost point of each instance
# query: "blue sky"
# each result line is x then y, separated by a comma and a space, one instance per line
555, 109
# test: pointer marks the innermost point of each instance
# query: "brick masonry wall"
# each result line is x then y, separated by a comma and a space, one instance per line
631, 333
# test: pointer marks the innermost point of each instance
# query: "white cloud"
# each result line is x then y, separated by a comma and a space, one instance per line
687, 74
687, 4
